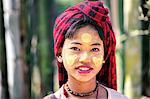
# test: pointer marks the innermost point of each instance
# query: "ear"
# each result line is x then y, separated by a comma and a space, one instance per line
59, 56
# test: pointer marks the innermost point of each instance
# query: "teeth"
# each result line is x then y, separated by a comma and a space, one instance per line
84, 68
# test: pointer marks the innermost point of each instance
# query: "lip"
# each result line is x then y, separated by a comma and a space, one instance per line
84, 69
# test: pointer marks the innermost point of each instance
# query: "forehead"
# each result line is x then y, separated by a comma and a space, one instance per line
87, 32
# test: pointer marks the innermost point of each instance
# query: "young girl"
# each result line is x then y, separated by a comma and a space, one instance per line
84, 45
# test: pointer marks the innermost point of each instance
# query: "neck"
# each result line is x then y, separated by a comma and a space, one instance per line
81, 87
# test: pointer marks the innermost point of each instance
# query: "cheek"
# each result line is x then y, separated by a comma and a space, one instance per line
70, 59
97, 61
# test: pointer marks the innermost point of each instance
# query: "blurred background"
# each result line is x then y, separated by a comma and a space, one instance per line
27, 64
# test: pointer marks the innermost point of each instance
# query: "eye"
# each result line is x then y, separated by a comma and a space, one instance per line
75, 49
95, 49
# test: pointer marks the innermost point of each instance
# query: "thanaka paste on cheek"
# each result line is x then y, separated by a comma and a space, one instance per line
70, 59
97, 61
86, 37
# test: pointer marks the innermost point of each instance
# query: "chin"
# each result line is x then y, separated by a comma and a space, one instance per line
84, 78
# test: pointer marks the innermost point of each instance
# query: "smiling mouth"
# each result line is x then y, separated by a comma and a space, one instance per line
84, 69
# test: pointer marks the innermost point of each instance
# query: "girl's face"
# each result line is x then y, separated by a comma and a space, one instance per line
82, 55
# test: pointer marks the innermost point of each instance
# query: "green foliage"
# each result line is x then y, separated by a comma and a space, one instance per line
133, 16
64, 4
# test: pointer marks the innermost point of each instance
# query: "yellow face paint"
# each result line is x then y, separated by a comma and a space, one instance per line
97, 61
70, 59
86, 37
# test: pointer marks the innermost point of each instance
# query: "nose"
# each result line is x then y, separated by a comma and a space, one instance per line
84, 57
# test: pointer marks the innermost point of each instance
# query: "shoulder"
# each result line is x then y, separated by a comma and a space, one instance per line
55, 95
51, 96
113, 94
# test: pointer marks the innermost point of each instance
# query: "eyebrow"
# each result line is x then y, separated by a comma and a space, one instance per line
95, 44
77, 43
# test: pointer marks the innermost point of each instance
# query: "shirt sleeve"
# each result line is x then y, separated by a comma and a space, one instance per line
112, 94
51, 96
